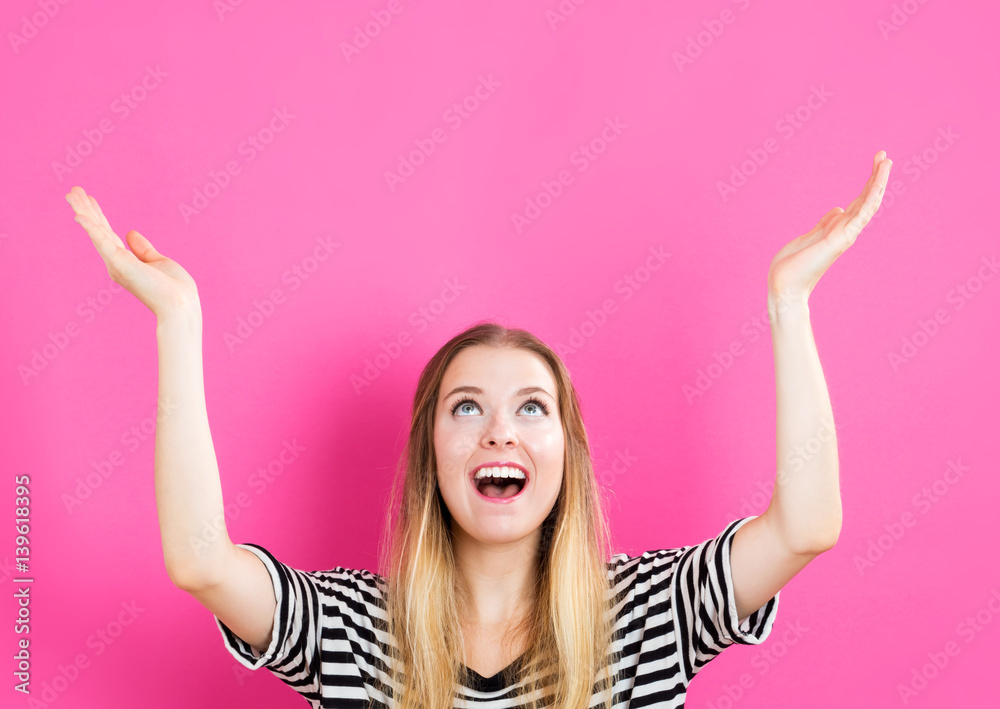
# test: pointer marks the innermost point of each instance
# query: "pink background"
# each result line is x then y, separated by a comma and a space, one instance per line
213, 81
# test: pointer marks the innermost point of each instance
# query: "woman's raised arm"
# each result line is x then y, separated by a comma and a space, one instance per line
805, 515
198, 554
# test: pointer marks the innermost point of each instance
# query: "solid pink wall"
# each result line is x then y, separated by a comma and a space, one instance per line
202, 81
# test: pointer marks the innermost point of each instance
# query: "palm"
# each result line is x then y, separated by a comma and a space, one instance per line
159, 282
797, 268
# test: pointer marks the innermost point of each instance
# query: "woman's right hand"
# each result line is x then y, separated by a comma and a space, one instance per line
160, 283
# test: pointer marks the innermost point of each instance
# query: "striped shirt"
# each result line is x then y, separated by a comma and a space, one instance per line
674, 611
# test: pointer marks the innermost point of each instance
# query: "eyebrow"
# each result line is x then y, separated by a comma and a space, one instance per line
477, 390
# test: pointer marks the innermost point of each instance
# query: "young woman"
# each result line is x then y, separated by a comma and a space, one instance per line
500, 589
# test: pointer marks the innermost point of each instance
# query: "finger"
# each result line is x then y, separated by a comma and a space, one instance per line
818, 232
81, 203
141, 247
830, 215
100, 212
879, 157
873, 189
87, 203
872, 179
856, 216
105, 241
96, 233
74, 199
96, 226
853, 207
869, 185
871, 199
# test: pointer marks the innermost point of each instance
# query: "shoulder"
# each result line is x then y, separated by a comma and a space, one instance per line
632, 576
660, 564
340, 583
365, 585
626, 564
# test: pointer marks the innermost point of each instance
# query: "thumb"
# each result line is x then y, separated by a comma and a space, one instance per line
141, 247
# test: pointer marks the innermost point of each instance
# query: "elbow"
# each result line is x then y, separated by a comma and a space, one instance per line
822, 543
186, 581
811, 540
203, 568
191, 579
821, 540
805, 536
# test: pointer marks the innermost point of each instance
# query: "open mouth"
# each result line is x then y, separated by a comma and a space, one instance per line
500, 482
499, 487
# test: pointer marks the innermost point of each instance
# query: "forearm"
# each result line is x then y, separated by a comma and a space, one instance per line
805, 506
188, 489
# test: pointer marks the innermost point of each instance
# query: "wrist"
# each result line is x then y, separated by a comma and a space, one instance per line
781, 307
186, 319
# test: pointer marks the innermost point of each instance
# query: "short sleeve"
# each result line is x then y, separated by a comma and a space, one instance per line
293, 654
705, 603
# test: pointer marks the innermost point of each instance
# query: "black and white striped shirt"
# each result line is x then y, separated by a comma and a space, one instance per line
675, 610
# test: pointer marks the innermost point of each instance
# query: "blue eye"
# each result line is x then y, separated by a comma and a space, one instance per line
530, 402
461, 402
538, 405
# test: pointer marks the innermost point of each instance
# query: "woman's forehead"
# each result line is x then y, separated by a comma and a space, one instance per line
496, 371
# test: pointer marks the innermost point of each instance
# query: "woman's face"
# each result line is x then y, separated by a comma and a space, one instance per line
494, 423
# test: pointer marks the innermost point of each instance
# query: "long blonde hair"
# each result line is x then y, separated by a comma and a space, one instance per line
568, 630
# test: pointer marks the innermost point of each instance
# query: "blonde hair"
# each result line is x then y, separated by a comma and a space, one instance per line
568, 629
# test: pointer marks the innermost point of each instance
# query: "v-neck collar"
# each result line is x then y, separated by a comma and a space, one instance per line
476, 681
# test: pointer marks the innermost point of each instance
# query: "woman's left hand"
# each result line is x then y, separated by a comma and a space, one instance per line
798, 266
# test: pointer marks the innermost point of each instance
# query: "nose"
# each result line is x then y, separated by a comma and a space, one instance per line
499, 431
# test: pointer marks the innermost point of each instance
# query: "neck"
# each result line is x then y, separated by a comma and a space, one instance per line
496, 581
